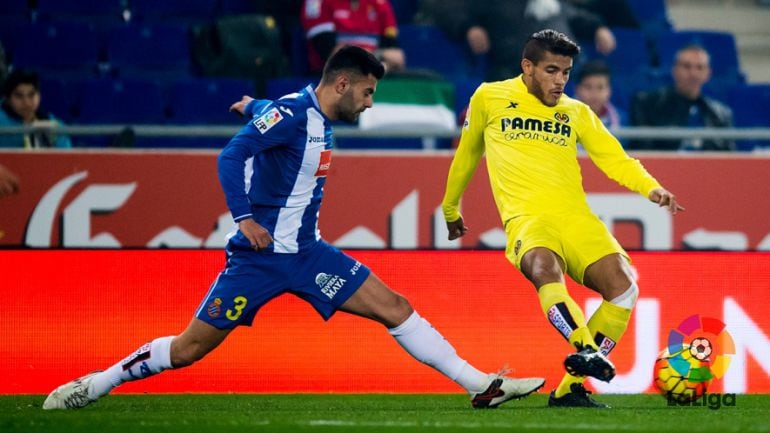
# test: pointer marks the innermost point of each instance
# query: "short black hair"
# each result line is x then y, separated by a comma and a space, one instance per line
20, 76
353, 59
551, 41
591, 68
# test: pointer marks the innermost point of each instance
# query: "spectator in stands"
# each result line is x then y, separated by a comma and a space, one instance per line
21, 106
595, 89
369, 24
682, 105
9, 183
499, 28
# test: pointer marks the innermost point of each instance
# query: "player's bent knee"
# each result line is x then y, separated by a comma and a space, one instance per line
186, 356
403, 309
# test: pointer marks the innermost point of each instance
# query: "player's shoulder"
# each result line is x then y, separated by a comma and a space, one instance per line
278, 115
491, 88
576, 106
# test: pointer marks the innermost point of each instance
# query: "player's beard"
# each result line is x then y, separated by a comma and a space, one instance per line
346, 109
537, 90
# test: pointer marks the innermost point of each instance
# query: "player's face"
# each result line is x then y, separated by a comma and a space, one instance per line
356, 98
594, 90
24, 101
691, 72
547, 78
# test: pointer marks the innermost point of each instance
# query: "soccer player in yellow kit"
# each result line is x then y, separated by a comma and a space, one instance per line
529, 130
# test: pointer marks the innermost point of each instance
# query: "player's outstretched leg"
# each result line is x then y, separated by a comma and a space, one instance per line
501, 389
587, 361
148, 360
427, 345
578, 396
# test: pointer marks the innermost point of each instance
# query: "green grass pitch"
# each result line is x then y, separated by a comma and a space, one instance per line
372, 413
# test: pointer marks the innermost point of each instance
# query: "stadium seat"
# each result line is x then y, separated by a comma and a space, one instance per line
405, 10
206, 100
426, 47
160, 50
102, 10
631, 56
121, 101
59, 48
15, 7
278, 87
652, 16
751, 108
118, 101
58, 97
720, 45
232, 7
189, 11
299, 55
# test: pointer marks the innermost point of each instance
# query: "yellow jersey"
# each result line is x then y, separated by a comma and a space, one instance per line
532, 152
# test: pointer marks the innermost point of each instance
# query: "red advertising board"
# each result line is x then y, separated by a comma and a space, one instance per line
68, 312
373, 201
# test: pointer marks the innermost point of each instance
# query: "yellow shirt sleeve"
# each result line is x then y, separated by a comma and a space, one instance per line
467, 157
608, 154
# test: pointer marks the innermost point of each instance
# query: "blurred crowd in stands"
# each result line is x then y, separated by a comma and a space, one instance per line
182, 62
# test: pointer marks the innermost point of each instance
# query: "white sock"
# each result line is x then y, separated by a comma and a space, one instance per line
148, 360
425, 344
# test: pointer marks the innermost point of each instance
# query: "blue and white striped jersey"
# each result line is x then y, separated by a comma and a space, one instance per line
274, 169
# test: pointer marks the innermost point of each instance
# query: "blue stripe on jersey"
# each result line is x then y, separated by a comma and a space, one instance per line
282, 187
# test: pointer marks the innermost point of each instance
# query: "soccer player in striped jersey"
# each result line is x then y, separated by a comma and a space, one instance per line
273, 173
529, 130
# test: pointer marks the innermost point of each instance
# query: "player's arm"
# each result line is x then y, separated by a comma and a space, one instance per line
608, 154
231, 164
464, 164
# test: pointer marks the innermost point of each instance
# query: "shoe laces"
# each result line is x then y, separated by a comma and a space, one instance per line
503, 371
78, 398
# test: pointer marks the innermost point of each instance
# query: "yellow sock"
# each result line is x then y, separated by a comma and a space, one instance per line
608, 324
564, 314
566, 382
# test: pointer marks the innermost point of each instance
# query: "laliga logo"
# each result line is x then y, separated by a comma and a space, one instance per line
706, 340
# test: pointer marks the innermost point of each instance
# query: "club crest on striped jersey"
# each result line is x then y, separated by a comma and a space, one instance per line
268, 120
324, 163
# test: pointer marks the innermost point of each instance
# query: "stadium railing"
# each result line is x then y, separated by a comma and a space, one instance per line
431, 135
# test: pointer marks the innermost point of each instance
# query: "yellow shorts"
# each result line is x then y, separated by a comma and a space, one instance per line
580, 239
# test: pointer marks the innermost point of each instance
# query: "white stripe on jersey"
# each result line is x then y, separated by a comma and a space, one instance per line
287, 229
290, 217
248, 171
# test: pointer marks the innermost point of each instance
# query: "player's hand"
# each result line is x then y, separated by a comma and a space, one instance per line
9, 183
255, 233
663, 197
240, 106
456, 228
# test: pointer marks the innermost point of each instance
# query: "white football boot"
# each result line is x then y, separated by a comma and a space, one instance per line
502, 388
71, 395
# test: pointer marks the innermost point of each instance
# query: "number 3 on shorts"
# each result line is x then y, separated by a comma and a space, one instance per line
240, 304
